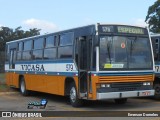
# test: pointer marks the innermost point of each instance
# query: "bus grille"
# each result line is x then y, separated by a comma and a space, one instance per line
127, 86
124, 85
111, 79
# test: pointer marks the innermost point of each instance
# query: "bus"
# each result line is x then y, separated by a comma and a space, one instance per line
93, 62
155, 38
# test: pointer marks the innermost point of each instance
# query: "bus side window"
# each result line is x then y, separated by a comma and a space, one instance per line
58, 40
12, 58
76, 51
7, 53
155, 43
65, 48
19, 51
50, 51
27, 47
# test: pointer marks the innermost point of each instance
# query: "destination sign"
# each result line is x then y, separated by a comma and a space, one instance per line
132, 30
122, 29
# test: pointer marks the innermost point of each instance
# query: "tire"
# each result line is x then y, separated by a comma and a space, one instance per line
73, 96
157, 91
23, 89
121, 101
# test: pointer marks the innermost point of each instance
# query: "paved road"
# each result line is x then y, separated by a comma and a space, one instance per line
14, 101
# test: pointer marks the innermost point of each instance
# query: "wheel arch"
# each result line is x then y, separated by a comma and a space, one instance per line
68, 82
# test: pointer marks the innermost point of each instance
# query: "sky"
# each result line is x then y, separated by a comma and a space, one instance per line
55, 15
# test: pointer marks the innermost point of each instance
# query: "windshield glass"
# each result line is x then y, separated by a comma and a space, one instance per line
122, 52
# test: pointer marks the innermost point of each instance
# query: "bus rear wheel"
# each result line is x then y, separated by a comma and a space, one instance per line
74, 100
23, 89
121, 101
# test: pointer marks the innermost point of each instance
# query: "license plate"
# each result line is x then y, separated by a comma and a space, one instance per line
146, 93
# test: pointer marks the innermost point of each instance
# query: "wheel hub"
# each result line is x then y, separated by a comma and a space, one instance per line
22, 87
157, 90
73, 94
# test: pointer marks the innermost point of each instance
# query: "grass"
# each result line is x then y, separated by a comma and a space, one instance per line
2, 78
3, 86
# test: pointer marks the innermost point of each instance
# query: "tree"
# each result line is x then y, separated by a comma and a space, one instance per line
8, 34
153, 17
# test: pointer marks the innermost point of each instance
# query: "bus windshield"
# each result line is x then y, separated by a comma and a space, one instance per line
123, 52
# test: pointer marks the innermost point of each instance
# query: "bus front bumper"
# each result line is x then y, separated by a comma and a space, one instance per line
127, 94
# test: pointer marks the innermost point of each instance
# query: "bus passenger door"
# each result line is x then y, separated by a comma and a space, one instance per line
12, 64
82, 66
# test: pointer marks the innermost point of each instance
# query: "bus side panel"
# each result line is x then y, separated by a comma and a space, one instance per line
15, 81
12, 79
52, 84
56, 84
94, 87
45, 83
8, 76
35, 82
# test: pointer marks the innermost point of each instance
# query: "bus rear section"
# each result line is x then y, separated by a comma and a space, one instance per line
156, 49
95, 62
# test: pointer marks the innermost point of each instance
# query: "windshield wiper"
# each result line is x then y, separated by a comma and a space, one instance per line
108, 49
132, 44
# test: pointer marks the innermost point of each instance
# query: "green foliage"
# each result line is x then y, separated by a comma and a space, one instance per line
153, 17
8, 34
2, 78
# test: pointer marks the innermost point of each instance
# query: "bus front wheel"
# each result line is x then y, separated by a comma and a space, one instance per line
23, 89
157, 91
74, 100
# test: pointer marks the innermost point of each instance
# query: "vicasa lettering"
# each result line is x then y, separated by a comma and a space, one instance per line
33, 67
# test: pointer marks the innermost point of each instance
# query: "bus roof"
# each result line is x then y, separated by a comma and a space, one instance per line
93, 25
122, 24
49, 34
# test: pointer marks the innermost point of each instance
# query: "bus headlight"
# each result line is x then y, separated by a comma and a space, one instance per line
105, 85
146, 83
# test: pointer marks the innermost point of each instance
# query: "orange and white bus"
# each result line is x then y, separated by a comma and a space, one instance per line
94, 62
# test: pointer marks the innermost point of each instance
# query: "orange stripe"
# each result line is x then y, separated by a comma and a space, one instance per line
109, 79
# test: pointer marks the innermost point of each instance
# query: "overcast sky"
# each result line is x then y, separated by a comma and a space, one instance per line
55, 15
